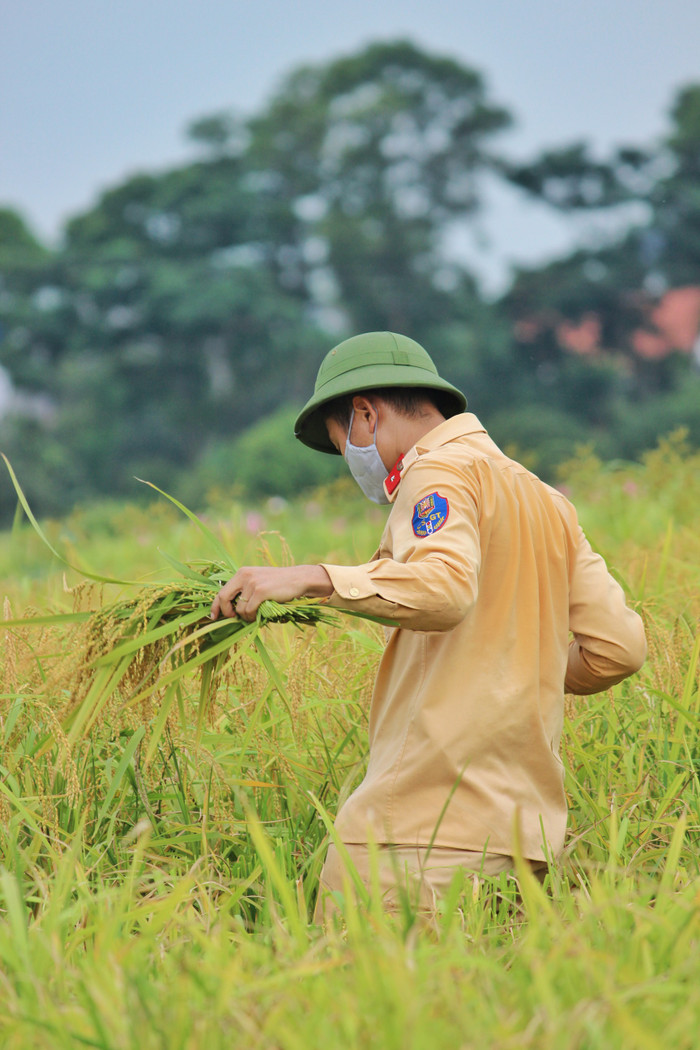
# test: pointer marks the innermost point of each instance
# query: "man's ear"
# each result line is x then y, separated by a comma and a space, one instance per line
365, 412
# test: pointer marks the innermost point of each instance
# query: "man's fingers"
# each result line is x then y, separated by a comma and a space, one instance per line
225, 601
247, 606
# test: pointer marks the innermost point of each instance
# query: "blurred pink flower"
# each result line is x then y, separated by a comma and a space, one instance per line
254, 522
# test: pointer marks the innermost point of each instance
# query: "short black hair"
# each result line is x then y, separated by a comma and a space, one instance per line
406, 400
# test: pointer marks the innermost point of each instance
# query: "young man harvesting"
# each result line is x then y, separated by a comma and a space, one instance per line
502, 606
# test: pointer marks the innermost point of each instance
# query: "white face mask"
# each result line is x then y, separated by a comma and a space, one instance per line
366, 466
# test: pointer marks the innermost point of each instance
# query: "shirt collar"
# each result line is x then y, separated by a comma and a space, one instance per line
455, 427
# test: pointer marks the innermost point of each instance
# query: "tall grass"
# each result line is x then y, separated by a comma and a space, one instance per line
158, 870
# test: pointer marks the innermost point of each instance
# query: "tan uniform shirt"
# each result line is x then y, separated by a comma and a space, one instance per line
489, 575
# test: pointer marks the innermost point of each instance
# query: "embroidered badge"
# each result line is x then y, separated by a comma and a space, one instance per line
430, 514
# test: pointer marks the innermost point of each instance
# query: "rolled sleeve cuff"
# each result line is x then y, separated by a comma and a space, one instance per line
351, 582
356, 591
400, 599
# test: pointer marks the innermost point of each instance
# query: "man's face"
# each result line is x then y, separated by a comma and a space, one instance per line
337, 434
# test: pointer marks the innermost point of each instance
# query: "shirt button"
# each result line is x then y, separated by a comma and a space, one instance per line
354, 591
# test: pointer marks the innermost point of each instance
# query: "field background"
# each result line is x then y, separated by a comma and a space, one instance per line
157, 876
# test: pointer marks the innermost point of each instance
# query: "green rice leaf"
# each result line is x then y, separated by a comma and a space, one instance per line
273, 673
188, 572
384, 620
44, 538
198, 522
159, 724
48, 620
120, 771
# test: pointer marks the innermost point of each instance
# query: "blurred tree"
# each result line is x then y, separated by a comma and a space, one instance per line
600, 307
15, 235
637, 430
379, 154
665, 179
540, 436
264, 461
157, 323
27, 296
671, 242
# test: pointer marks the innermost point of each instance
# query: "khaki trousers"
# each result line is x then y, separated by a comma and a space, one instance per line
415, 872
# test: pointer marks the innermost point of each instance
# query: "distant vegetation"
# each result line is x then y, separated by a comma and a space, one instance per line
188, 306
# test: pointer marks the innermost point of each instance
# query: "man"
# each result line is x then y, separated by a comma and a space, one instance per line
501, 606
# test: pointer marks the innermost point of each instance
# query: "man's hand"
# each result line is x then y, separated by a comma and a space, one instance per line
252, 585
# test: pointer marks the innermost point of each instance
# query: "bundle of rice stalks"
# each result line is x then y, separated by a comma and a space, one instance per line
138, 650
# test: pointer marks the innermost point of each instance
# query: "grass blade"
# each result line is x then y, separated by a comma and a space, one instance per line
44, 538
198, 522
119, 772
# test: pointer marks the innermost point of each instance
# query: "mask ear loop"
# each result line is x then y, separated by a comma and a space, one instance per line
348, 440
376, 423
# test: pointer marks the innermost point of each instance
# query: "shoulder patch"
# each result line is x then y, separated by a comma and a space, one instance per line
430, 514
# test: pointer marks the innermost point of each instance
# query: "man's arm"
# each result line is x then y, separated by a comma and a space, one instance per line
609, 642
252, 585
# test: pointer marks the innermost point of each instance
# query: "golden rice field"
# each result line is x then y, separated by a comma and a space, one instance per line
164, 809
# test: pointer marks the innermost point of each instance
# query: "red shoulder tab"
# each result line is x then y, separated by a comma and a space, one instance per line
393, 478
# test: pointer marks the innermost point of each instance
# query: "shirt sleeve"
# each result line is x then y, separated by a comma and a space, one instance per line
431, 578
608, 638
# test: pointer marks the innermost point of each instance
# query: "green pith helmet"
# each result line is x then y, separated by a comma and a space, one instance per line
365, 362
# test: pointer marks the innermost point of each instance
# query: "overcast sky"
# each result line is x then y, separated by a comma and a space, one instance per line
92, 90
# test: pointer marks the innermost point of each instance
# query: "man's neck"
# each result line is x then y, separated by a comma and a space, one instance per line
410, 430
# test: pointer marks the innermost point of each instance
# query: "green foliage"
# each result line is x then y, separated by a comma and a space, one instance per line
152, 330
16, 237
675, 197
266, 461
539, 436
639, 427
